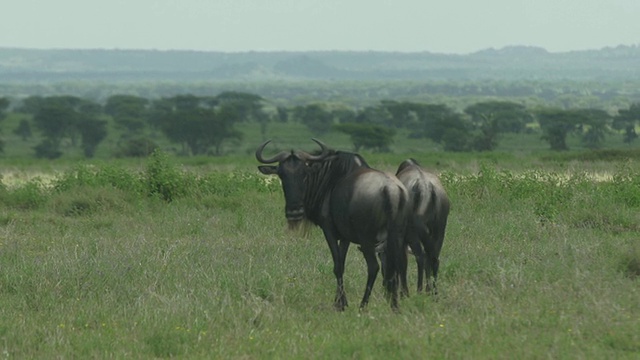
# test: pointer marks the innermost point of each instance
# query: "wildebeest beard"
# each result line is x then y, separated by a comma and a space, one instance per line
302, 226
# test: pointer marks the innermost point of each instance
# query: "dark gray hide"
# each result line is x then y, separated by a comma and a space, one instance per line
351, 203
430, 210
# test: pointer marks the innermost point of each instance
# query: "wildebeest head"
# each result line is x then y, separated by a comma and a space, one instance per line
291, 169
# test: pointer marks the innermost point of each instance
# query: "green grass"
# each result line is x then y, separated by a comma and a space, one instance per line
535, 265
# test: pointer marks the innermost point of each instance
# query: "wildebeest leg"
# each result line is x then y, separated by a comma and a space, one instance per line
402, 276
416, 248
339, 254
413, 240
432, 264
404, 290
372, 272
341, 296
435, 264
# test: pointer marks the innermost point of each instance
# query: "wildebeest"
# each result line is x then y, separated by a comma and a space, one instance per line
430, 210
351, 203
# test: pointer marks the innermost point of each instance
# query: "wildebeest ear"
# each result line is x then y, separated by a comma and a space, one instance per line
268, 169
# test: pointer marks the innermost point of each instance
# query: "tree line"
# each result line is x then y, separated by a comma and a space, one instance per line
201, 125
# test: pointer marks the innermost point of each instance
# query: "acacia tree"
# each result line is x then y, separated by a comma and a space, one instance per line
403, 114
595, 124
59, 117
198, 123
626, 120
23, 130
31, 104
245, 107
54, 118
92, 131
443, 125
129, 113
368, 136
4, 105
344, 115
315, 116
489, 130
375, 115
491, 118
556, 124
282, 114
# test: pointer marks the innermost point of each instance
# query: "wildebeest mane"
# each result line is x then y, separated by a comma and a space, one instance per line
323, 175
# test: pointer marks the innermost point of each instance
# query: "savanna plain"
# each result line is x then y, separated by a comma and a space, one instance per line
157, 258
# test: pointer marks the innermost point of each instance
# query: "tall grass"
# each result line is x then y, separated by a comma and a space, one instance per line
163, 261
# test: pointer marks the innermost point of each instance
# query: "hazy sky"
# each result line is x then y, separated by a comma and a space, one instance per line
443, 26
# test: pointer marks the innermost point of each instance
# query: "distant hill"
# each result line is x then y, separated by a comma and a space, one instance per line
509, 63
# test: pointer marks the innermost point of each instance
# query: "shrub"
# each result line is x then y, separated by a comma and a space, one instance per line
164, 180
86, 200
29, 196
105, 175
138, 147
48, 149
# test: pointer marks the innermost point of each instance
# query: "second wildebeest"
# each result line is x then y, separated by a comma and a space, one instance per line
351, 203
430, 210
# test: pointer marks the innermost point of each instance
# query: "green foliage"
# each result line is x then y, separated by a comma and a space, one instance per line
168, 343
137, 147
552, 195
128, 112
162, 179
443, 125
232, 121
91, 200
29, 196
507, 116
55, 116
368, 136
456, 139
92, 131
106, 175
246, 106
491, 118
4, 105
402, 113
625, 186
606, 155
556, 124
67, 117
48, 149
316, 117
198, 123
626, 120
596, 124
23, 130
630, 263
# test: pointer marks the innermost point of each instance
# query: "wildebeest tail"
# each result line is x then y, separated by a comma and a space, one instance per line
394, 249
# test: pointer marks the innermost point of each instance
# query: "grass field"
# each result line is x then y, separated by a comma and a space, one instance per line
191, 258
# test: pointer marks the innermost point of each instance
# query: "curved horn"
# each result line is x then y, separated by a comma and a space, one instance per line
276, 158
323, 154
